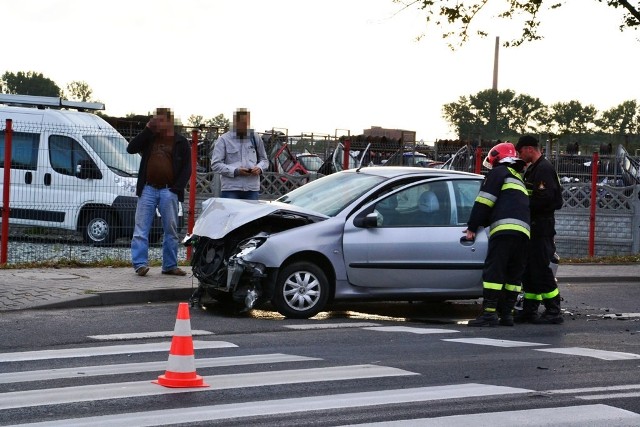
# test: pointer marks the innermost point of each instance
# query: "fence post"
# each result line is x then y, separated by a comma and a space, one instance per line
592, 211
347, 149
192, 187
478, 159
5, 192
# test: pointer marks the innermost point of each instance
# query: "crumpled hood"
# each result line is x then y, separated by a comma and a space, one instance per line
221, 216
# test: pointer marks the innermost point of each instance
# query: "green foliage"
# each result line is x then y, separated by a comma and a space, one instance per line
497, 114
29, 83
456, 19
79, 91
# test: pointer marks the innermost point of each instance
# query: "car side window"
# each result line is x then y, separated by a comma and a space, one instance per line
465, 193
24, 150
65, 153
418, 206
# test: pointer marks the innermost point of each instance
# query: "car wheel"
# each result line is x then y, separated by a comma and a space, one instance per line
302, 290
98, 227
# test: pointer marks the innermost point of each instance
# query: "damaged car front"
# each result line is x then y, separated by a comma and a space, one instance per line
287, 251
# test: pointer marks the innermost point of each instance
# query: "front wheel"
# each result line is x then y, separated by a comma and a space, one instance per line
98, 227
302, 290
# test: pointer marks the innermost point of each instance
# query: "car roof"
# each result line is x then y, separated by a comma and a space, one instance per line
394, 171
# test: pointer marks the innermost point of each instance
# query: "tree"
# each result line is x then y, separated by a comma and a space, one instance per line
573, 118
219, 121
79, 91
455, 18
621, 120
195, 120
29, 83
525, 114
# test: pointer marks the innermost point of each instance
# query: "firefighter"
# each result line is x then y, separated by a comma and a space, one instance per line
502, 205
545, 197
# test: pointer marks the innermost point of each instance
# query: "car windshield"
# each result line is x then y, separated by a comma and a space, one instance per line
331, 194
112, 149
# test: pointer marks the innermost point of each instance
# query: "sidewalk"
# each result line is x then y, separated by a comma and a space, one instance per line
84, 287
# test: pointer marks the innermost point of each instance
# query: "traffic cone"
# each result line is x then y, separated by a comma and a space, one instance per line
181, 367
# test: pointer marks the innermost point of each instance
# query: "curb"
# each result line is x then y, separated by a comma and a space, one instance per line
120, 297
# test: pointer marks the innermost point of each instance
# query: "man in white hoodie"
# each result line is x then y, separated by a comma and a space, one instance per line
240, 158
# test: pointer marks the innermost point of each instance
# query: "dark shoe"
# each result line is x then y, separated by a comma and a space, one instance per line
506, 321
175, 272
549, 319
142, 270
521, 317
486, 319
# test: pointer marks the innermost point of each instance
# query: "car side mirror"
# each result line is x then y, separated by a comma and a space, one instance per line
368, 221
87, 169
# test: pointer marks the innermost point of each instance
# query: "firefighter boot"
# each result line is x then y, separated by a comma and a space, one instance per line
505, 307
552, 314
489, 317
529, 312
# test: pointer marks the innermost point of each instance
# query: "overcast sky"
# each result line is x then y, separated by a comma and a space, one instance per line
310, 66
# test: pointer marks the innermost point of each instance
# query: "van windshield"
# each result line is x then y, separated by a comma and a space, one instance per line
112, 149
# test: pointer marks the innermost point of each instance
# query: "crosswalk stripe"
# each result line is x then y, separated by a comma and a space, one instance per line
21, 399
66, 353
129, 368
494, 342
610, 396
144, 335
577, 416
412, 330
594, 389
330, 325
589, 352
287, 406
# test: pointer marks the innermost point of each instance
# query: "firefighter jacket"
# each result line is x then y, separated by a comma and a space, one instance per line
502, 203
545, 191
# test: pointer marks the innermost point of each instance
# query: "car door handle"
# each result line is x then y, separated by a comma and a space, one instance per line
466, 242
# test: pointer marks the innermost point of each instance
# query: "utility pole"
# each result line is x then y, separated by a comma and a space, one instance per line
493, 119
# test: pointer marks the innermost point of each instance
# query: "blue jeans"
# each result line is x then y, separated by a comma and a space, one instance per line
167, 203
245, 195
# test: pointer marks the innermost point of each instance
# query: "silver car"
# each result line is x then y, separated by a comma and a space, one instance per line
385, 233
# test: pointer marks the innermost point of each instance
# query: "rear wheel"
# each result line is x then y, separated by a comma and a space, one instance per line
98, 227
301, 291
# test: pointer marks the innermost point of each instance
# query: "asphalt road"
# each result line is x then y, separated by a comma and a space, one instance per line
364, 363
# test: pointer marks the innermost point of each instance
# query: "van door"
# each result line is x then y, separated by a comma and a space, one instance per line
24, 164
59, 186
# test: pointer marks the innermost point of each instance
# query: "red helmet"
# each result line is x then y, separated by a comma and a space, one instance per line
504, 152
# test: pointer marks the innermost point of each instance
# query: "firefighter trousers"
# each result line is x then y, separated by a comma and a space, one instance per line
538, 281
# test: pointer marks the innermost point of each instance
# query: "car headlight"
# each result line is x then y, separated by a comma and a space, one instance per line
249, 245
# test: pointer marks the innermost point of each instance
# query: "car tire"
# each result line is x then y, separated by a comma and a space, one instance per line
98, 227
301, 291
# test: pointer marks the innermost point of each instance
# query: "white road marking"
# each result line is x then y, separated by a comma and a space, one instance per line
330, 325
610, 396
567, 416
494, 342
594, 389
589, 352
412, 330
144, 335
621, 316
104, 350
287, 406
130, 368
86, 393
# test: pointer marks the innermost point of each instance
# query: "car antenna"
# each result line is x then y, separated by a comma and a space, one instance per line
362, 157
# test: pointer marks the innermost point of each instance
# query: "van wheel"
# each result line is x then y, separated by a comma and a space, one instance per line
302, 290
98, 227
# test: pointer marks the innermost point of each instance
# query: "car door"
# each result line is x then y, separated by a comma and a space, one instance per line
416, 240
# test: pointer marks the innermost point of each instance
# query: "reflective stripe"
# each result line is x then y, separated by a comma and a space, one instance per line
489, 285
513, 288
514, 184
554, 293
510, 224
486, 199
515, 173
181, 364
535, 297
489, 310
182, 328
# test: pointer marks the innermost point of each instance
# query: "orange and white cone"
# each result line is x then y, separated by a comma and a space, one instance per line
181, 369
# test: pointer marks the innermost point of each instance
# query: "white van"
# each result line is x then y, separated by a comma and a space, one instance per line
69, 169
